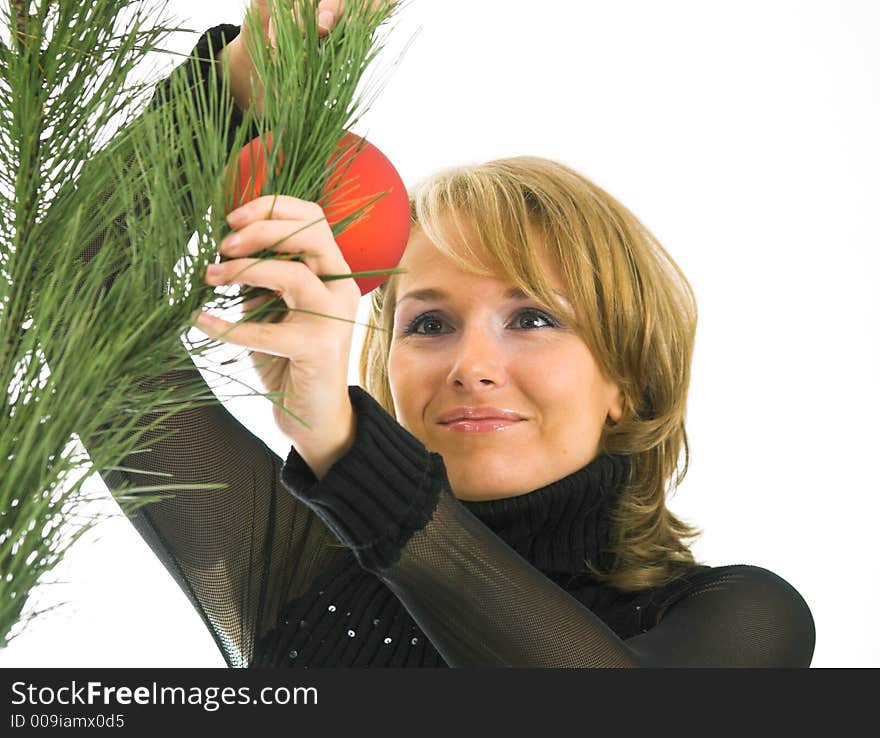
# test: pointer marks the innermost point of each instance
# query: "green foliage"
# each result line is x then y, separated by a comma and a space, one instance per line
98, 199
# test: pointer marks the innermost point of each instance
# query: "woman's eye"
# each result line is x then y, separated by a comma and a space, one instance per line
425, 325
431, 324
531, 319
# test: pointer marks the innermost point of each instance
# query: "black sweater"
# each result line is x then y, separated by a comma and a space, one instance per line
379, 564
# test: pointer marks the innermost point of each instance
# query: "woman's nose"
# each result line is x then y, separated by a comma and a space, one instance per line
477, 362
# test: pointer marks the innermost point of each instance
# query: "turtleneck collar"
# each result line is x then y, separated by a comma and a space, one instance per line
559, 526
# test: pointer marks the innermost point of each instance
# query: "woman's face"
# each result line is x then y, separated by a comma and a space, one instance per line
491, 380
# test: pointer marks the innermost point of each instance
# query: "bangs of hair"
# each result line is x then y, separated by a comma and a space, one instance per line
487, 223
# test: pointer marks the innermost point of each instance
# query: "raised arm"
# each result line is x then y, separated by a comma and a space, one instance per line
239, 551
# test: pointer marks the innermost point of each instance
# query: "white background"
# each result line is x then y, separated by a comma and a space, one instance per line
745, 137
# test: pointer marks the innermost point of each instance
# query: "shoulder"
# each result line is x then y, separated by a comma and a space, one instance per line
742, 585
753, 610
744, 582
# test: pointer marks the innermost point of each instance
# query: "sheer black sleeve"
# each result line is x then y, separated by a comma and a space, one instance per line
239, 551
482, 604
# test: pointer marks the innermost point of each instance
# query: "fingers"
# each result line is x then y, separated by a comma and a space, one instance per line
299, 288
279, 207
255, 303
256, 336
265, 307
317, 247
329, 11
297, 283
304, 231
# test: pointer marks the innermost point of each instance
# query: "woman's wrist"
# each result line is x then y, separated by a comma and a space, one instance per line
321, 448
384, 488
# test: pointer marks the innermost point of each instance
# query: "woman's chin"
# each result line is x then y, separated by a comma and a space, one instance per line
482, 486
492, 471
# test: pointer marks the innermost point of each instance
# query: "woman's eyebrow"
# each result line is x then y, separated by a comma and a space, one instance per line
424, 295
514, 293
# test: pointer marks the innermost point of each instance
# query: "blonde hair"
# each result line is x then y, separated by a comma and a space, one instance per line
631, 304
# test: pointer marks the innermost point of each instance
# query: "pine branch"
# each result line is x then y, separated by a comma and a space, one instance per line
54, 113
95, 275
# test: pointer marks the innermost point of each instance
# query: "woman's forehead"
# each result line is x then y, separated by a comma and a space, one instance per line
430, 268
423, 258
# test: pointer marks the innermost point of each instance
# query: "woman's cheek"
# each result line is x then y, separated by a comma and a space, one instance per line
535, 361
548, 373
406, 378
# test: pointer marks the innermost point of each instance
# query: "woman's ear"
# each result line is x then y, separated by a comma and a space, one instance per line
615, 408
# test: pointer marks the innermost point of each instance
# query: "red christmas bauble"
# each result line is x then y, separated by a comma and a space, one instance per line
245, 180
377, 238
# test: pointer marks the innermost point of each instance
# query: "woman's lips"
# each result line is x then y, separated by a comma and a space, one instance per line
486, 425
483, 419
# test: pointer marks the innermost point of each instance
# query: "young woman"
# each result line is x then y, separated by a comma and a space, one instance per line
495, 494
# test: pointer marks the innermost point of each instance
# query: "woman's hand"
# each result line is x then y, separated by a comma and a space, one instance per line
305, 355
245, 87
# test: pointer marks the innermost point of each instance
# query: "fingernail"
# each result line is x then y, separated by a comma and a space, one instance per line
230, 243
325, 19
234, 217
213, 270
